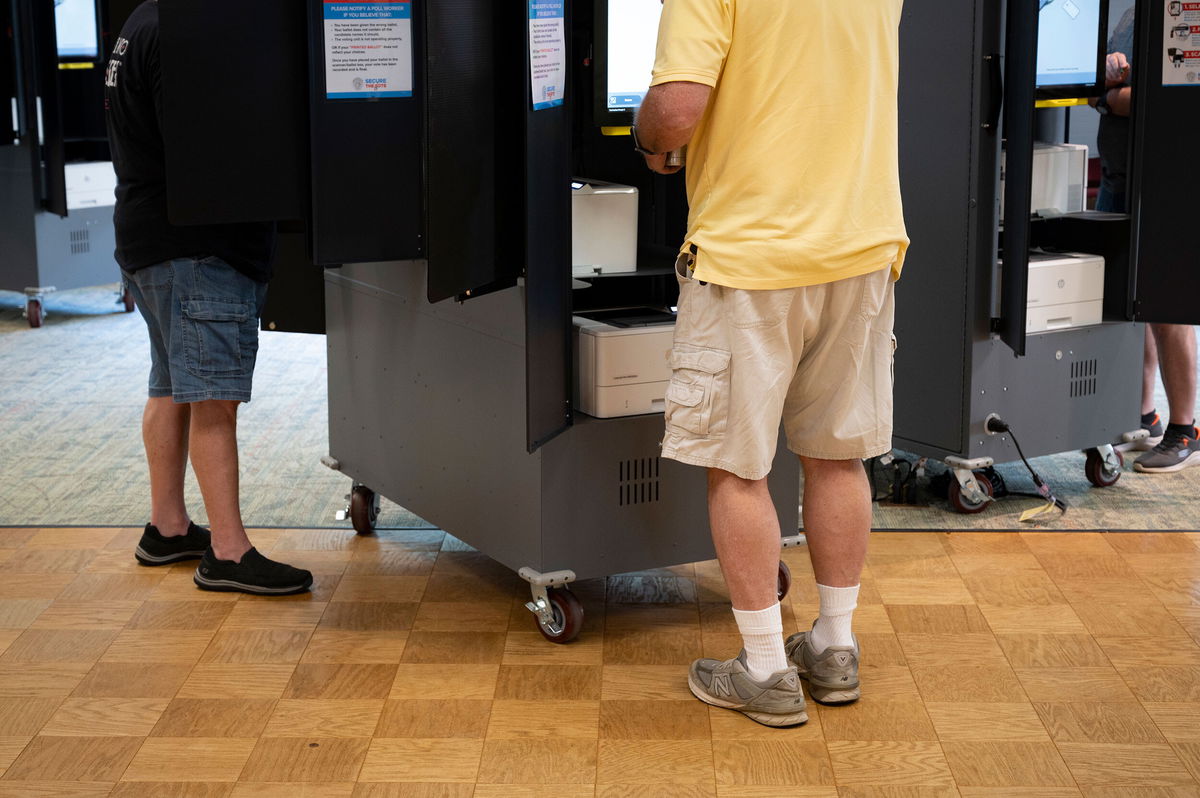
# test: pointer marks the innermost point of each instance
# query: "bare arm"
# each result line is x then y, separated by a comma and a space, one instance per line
669, 115
1116, 74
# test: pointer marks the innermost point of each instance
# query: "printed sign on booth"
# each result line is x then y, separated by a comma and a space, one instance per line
1181, 43
547, 52
368, 49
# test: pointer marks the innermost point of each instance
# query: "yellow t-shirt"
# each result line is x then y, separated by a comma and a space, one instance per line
792, 173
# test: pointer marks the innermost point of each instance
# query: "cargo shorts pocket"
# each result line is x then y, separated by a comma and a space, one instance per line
216, 333
763, 308
698, 394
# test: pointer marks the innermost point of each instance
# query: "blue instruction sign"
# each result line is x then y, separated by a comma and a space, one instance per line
368, 49
547, 52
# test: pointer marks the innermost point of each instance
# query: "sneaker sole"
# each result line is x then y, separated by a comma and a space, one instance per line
1143, 445
230, 586
832, 697
146, 558
1187, 462
765, 718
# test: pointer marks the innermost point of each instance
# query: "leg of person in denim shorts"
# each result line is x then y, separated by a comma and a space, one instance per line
202, 317
819, 359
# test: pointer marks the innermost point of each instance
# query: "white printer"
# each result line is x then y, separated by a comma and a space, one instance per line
604, 218
90, 185
1059, 178
621, 361
1065, 290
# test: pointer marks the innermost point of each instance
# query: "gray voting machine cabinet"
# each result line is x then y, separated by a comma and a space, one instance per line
452, 373
976, 342
430, 210
56, 177
439, 211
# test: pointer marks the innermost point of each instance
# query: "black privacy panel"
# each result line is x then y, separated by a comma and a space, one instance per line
366, 164
37, 34
474, 148
296, 301
8, 74
1166, 205
546, 228
548, 285
235, 96
943, 161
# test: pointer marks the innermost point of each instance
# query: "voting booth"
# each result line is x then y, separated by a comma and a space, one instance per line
56, 175
426, 159
1042, 342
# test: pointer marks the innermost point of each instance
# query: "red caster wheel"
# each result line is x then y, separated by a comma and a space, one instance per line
364, 509
568, 616
33, 312
1097, 474
785, 580
964, 505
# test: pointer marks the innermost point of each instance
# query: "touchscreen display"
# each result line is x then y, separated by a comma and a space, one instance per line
632, 38
1069, 42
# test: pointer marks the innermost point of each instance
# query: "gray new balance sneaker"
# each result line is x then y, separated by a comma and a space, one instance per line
1174, 453
832, 675
777, 701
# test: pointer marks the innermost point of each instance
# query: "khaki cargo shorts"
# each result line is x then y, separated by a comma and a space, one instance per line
817, 358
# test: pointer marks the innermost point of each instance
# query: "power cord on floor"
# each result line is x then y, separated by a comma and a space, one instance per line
996, 425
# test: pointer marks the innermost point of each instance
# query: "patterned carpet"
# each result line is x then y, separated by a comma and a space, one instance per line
71, 395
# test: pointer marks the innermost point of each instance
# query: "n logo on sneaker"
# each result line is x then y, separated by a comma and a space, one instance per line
722, 685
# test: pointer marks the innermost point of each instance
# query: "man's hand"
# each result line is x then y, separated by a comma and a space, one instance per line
1116, 70
658, 163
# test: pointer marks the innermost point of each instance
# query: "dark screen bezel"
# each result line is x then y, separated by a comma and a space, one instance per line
602, 114
1081, 90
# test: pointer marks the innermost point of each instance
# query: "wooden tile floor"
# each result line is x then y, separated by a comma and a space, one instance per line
1010, 665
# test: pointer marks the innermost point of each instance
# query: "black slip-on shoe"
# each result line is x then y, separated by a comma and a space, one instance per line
254, 574
155, 549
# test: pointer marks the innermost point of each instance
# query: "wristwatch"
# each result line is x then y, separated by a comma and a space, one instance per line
1102, 104
637, 145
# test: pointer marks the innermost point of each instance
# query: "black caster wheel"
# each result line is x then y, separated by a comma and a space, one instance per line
568, 616
785, 580
364, 509
127, 299
961, 503
1094, 469
33, 312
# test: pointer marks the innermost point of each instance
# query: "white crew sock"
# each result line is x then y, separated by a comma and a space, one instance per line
833, 624
762, 635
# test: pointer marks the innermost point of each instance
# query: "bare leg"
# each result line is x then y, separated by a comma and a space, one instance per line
745, 530
1149, 370
215, 461
837, 519
1177, 360
165, 436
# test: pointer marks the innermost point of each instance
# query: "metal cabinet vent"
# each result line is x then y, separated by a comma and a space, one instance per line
80, 243
1083, 378
637, 481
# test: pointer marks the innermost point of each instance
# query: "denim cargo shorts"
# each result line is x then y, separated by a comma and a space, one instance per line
202, 316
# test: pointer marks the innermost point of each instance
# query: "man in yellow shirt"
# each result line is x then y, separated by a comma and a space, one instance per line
795, 239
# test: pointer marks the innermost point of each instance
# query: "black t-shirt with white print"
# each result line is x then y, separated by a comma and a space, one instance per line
133, 100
